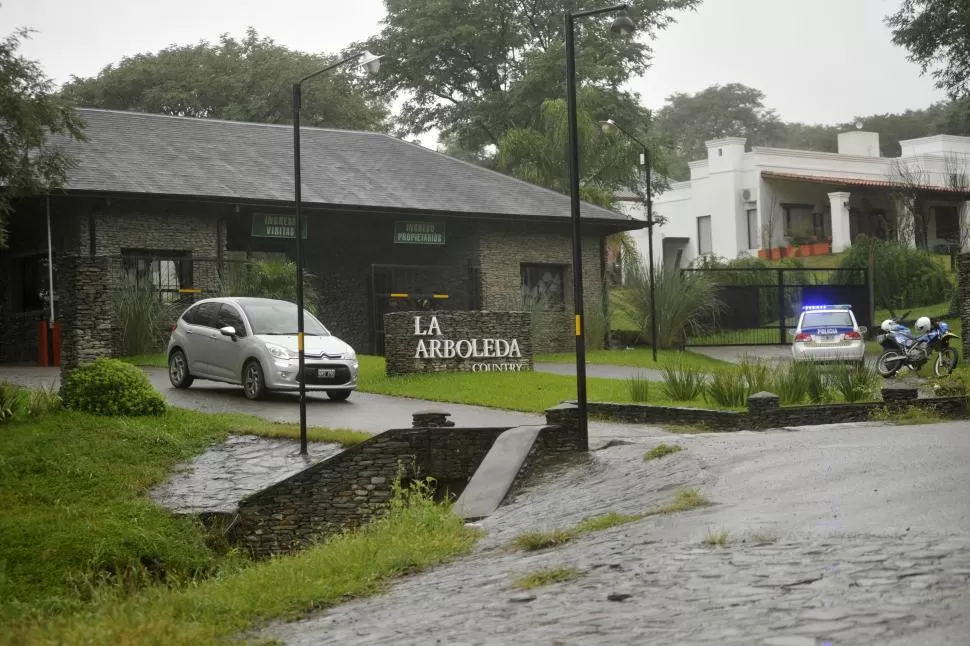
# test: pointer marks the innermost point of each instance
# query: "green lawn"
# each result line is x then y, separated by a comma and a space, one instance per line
531, 392
159, 360
87, 558
640, 358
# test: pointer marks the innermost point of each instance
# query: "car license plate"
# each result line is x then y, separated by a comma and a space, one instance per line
326, 373
829, 339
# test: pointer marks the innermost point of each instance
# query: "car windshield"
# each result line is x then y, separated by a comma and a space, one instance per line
827, 319
279, 317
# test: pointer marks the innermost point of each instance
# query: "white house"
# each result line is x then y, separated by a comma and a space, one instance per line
738, 203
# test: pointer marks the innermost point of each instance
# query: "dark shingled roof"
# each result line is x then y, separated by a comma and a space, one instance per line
130, 152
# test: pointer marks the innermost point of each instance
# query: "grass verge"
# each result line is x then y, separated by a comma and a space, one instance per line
531, 392
684, 500
416, 534
89, 559
660, 451
641, 358
549, 576
159, 360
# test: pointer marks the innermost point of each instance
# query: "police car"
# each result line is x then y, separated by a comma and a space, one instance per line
828, 333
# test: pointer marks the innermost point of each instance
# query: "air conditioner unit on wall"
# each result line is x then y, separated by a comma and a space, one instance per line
747, 195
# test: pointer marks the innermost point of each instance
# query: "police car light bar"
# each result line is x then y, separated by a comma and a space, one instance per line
812, 308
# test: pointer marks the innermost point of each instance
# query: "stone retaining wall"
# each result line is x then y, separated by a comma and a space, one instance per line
764, 412
401, 344
963, 291
355, 486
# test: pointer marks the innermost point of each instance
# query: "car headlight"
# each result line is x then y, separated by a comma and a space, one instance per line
349, 354
278, 351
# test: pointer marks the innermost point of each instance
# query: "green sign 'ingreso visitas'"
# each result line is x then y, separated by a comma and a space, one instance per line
274, 225
419, 233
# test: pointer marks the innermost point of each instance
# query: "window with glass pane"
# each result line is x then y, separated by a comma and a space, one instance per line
229, 316
166, 271
704, 241
753, 242
542, 286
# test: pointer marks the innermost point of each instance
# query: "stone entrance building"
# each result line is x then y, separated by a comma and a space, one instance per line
391, 225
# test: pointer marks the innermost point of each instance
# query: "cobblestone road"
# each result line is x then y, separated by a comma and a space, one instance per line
654, 581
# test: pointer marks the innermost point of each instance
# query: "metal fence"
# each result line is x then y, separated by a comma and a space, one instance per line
761, 306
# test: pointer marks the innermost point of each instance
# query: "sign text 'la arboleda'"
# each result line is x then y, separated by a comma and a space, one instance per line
434, 347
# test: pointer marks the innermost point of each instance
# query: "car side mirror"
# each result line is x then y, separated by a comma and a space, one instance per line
229, 331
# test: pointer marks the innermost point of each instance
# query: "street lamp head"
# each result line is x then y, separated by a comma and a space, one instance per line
623, 25
370, 62
608, 126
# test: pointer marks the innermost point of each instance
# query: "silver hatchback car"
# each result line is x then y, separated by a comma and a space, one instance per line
253, 342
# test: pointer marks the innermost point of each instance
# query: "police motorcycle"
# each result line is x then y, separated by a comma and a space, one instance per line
901, 349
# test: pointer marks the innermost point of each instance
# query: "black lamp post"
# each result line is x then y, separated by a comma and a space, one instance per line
623, 26
372, 64
609, 125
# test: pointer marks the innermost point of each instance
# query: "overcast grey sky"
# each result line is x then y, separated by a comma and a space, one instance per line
817, 61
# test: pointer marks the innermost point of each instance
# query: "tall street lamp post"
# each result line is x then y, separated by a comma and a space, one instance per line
608, 126
623, 26
372, 64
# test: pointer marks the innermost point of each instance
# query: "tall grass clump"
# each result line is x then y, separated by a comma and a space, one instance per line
639, 387
683, 383
757, 375
687, 302
19, 402
854, 383
727, 389
138, 314
816, 381
271, 279
790, 384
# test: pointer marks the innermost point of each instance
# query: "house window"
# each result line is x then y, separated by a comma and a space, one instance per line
704, 235
801, 223
166, 271
753, 241
947, 223
542, 287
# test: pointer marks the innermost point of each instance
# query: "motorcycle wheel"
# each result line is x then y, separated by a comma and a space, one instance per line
889, 363
946, 362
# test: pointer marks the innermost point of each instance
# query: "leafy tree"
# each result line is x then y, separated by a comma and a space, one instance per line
937, 35
476, 69
536, 155
687, 121
29, 113
239, 80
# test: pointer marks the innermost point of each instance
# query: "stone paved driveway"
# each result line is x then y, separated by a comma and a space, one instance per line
894, 570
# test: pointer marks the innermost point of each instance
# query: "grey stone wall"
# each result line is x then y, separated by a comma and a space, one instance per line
503, 251
87, 329
401, 344
764, 413
963, 291
355, 486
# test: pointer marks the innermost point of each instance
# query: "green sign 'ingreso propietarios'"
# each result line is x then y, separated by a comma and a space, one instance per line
419, 233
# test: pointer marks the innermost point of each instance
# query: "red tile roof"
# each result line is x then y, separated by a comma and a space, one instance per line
851, 181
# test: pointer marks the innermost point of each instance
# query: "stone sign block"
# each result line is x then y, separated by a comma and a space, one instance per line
457, 341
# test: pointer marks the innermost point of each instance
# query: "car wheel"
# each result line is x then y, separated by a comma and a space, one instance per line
946, 362
889, 363
178, 369
254, 385
338, 395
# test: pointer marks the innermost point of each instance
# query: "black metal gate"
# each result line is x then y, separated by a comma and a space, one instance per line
406, 288
760, 306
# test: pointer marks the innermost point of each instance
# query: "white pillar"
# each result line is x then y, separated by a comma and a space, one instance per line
841, 234
965, 227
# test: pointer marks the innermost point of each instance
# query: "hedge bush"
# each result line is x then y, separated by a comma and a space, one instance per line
905, 278
112, 387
